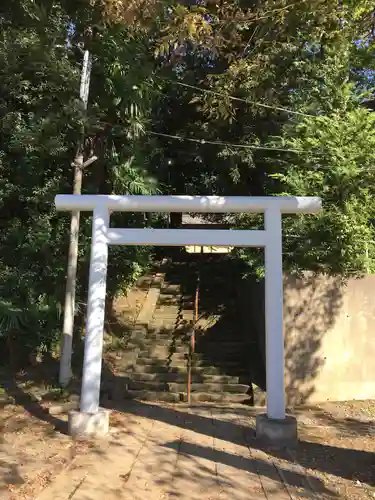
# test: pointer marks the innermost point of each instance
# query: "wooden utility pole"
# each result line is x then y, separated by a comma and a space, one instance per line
78, 165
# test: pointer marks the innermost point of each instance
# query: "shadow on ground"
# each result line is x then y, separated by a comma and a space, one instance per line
342, 462
234, 426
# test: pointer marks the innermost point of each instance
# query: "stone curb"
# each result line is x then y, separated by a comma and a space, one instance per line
146, 313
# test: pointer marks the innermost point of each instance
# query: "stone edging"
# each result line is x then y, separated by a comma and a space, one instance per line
146, 313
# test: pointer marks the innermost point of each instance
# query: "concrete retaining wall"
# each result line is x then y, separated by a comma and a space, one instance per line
329, 331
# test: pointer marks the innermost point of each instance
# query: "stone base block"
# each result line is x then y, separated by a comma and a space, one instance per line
88, 425
277, 432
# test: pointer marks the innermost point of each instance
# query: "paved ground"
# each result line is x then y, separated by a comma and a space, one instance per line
159, 452
206, 452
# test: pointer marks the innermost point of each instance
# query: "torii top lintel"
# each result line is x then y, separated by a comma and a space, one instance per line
199, 204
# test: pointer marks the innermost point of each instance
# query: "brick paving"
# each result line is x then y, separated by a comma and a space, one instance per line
159, 452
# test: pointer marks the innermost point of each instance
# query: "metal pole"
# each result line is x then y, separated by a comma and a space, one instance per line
192, 338
189, 376
196, 303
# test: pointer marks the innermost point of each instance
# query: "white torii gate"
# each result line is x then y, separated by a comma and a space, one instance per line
103, 235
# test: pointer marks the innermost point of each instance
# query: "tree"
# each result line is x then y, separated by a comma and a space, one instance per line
88, 23
203, 98
39, 119
245, 96
335, 160
42, 117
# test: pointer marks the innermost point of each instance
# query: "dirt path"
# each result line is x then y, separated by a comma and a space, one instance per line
337, 445
32, 452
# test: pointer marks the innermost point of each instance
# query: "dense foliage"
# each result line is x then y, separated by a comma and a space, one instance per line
273, 103
41, 119
236, 98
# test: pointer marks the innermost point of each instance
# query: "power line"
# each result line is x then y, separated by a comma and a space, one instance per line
239, 99
248, 146
215, 143
220, 143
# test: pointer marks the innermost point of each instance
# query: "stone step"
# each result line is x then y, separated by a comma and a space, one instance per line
168, 308
165, 345
197, 370
182, 378
169, 328
121, 356
163, 352
206, 387
156, 346
163, 331
163, 317
131, 368
155, 368
154, 343
164, 334
168, 289
182, 362
159, 351
152, 361
174, 397
169, 299
165, 326
157, 326
167, 336
138, 329
169, 397
215, 357
182, 347
151, 385
162, 344
223, 397
182, 387
182, 354
199, 347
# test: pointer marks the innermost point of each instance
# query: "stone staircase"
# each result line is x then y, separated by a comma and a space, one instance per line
154, 366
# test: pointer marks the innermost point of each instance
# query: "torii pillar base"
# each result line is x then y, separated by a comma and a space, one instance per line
277, 432
83, 425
